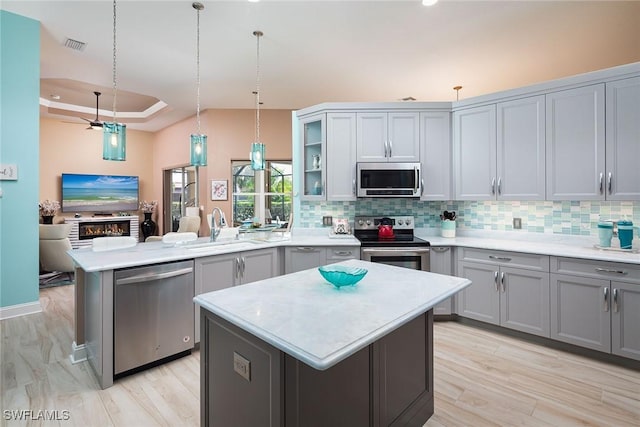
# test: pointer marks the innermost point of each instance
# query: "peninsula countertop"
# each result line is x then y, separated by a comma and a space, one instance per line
308, 318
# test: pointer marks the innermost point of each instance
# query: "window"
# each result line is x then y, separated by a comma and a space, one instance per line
264, 194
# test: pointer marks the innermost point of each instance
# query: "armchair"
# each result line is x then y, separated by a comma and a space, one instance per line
54, 244
188, 224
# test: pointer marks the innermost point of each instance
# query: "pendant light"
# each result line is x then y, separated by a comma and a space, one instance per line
198, 140
257, 147
114, 140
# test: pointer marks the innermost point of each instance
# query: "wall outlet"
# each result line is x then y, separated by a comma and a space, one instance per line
517, 223
242, 366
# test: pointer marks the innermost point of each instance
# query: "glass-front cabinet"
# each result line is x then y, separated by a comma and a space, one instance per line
313, 130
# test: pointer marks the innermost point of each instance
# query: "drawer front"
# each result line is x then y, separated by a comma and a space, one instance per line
511, 259
596, 269
342, 253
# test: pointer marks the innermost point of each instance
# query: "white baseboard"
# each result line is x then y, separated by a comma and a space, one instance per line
78, 353
20, 310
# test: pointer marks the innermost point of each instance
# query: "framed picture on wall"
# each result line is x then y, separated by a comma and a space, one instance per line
219, 189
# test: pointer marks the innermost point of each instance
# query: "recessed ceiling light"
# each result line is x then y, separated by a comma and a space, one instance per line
54, 97
254, 1
429, 2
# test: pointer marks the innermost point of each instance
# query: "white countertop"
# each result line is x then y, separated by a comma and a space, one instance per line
311, 320
535, 243
159, 252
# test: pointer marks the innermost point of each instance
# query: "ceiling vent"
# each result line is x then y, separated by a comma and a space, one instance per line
74, 44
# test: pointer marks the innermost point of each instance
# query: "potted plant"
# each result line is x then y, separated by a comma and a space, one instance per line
48, 209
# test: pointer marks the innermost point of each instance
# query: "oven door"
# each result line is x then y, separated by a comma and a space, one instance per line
413, 258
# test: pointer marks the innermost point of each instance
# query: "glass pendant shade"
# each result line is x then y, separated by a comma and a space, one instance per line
114, 141
257, 156
198, 150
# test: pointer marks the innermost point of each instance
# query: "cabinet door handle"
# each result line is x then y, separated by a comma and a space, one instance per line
615, 299
343, 253
493, 185
495, 280
305, 249
353, 187
390, 148
609, 182
601, 182
386, 150
502, 281
237, 268
440, 248
421, 187
243, 265
606, 299
500, 258
606, 270
499, 185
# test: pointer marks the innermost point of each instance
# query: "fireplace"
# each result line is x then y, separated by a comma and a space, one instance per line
90, 230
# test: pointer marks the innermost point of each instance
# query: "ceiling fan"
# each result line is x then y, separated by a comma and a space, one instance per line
95, 123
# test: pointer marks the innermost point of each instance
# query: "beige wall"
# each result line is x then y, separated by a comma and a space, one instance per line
70, 148
230, 134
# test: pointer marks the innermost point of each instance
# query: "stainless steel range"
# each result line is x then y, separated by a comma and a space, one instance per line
390, 240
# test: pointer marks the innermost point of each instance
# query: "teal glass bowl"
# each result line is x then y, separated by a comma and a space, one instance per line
339, 275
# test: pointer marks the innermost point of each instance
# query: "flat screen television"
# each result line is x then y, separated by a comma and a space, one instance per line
99, 193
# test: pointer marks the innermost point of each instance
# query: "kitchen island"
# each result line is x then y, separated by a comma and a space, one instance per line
294, 350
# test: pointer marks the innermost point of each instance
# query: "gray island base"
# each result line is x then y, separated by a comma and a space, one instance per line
295, 351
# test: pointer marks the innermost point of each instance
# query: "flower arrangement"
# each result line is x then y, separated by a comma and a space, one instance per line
148, 206
49, 207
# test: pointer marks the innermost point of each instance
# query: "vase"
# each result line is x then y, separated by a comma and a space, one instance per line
147, 226
47, 219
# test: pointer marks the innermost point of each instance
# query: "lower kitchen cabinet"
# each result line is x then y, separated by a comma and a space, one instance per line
596, 305
298, 258
217, 272
441, 262
513, 297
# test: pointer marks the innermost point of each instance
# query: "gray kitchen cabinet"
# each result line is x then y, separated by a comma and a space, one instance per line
388, 136
441, 262
575, 143
435, 155
341, 156
509, 289
298, 258
313, 153
596, 304
521, 149
474, 153
623, 144
499, 151
222, 271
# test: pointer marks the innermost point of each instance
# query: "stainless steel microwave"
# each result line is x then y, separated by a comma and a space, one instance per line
388, 179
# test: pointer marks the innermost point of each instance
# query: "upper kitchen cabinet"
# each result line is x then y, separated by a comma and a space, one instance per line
521, 149
435, 155
499, 151
474, 153
623, 139
575, 143
313, 129
341, 156
388, 137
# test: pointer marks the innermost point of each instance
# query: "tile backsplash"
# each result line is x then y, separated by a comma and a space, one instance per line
567, 217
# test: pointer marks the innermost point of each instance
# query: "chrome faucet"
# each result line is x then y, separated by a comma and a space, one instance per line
215, 229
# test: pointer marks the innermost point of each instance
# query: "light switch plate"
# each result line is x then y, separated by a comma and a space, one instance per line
242, 366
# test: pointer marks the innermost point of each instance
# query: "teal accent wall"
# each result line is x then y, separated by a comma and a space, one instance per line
570, 217
19, 145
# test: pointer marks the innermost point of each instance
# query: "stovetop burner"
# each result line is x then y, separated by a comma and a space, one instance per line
366, 230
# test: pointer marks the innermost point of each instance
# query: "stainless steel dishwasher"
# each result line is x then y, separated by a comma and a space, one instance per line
153, 314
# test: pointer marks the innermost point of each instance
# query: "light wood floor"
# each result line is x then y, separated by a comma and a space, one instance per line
481, 379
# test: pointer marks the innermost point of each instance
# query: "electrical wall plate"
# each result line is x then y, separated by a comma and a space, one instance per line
242, 366
517, 223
